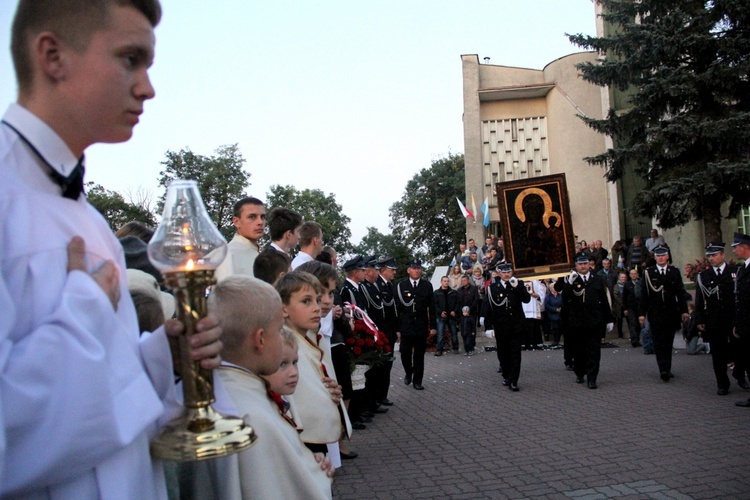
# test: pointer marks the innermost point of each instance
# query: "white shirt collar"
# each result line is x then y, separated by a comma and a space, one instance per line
661, 269
277, 247
46, 141
356, 285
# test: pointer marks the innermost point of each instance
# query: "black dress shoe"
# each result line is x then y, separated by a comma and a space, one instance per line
364, 419
592, 385
514, 387
665, 376
499, 370
380, 410
366, 414
386, 402
743, 383
743, 404
418, 387
358, 426
506, 382
569, 368
722, 392
407, 379
579, 380
349, 456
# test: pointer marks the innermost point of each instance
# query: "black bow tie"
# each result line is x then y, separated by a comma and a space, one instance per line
72, 185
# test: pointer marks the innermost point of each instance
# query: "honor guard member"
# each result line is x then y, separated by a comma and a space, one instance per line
351, 290
502, 310
376, 377
387, 271
416, 312
373, 303
714, 310
741, 247
664, 302
589, 316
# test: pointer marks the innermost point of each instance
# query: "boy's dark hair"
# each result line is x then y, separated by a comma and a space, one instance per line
295, 281
281, 220
74, 21
248, 200
308, 231
324, 272
269, 264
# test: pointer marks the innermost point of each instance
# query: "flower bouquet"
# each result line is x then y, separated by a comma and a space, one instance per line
367, 345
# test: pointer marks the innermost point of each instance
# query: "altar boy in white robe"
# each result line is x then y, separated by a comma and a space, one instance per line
279, 465
80, 393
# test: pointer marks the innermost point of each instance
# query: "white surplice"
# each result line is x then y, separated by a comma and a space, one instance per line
241, 254
80, 392
277, 466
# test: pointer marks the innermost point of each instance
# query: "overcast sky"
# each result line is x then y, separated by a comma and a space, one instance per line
351, 97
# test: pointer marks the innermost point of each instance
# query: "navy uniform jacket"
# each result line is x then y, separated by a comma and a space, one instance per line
416, 308
373, 303
742, 297
353, 295
714, 299
587, 304
663, 298
390, 313
502, 307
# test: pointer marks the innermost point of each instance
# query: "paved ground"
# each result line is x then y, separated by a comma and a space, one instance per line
466, 436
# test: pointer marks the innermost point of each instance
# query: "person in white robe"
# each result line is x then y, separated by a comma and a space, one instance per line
80, 393
250, 221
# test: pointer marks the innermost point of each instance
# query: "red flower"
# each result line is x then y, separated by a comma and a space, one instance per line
357, 351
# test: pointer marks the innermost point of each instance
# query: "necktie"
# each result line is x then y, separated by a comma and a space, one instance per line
72, 185
414, 284
718, 271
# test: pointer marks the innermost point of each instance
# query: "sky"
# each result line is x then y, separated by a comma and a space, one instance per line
351, 97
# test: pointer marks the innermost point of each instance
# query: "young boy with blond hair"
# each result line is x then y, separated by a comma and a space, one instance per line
278, 465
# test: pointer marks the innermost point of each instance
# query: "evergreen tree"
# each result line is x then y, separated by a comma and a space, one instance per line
681, 67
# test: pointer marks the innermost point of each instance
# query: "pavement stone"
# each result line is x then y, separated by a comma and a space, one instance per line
468, 437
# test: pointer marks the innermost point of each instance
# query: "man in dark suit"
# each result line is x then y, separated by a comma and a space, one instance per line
587, 303
377, 376
503, 311
416, 312
664, 301
714, 310
741, 247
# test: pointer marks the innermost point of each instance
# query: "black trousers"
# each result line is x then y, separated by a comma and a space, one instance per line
509, 355
663, 336
412, 356
587, 352
719, 340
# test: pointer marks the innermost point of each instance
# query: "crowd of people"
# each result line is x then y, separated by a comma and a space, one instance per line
87, 334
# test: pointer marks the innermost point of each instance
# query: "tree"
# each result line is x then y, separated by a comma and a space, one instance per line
427, 218
221, 180
115, 209
382, 245
314, 205
683, 68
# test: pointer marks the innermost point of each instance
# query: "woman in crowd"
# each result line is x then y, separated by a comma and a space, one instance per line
455, 277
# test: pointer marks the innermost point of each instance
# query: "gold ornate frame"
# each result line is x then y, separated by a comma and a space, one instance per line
538, 236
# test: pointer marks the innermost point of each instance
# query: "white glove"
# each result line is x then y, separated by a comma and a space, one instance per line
513, 282
610, 326
572, 277
481, 321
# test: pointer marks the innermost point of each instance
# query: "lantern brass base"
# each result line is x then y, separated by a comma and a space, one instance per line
202, 434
